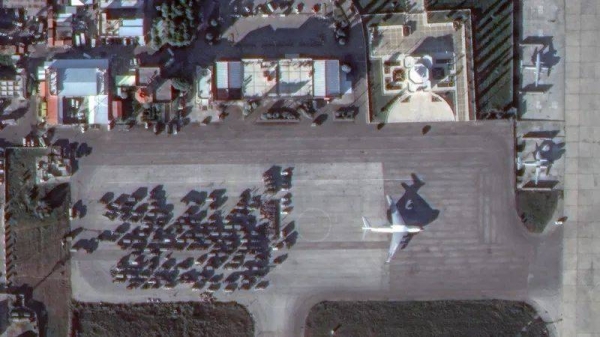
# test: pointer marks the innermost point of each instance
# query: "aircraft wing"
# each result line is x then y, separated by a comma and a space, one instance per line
399, 239
396, 239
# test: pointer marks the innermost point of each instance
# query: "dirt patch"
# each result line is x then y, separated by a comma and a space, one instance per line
537, 208
435, 318
164, 319
38, 220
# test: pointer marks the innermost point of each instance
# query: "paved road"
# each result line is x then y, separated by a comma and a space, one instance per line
580, 292
475, 249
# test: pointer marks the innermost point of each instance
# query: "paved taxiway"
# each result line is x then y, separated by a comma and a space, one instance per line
476, 248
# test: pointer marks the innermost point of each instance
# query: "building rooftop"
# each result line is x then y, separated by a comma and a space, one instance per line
98, 112
32, 7
418, 69
326, 78
78, 90
164, 91
295, 77
121, 3
288, 77
229, 79
146, 75
260, 78
81, 81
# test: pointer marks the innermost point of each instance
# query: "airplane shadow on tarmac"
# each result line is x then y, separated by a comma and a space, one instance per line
415, 211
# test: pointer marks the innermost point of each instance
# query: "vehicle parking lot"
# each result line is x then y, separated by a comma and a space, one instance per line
223, 238
475, 248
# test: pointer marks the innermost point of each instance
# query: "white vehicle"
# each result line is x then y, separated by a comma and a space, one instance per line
398, 228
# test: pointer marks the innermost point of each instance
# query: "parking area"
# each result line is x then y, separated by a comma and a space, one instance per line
476, 248
253, 244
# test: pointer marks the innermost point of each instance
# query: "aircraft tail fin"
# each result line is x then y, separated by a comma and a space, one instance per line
389, 199
366, 224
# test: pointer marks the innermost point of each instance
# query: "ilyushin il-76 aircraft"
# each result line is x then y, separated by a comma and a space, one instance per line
400, 231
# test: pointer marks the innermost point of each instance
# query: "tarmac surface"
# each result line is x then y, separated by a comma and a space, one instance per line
581, 254
475, 249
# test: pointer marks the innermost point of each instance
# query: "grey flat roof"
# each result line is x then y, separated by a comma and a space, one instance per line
79, 77
79, 63
77, 82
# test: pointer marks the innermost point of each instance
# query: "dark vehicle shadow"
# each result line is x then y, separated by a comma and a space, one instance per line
80, 208
107, 197
320, 119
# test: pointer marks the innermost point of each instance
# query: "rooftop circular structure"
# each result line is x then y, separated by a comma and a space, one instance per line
418, 74
421, 107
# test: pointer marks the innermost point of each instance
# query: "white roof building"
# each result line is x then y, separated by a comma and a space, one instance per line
289, 77
131, 28
295, 77
98, 110
203, 85
260, 78
229, 79
80, 3
86, 79
326, 78
114, 4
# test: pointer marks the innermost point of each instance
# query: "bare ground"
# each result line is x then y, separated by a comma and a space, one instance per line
436, 318
163, 319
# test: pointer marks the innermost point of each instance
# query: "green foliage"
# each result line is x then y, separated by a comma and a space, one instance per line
181, 84
175, 23
6, 60
537, 208
156, 37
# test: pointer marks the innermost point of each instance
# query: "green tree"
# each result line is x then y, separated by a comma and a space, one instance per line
178, 20
156, 37
181, 84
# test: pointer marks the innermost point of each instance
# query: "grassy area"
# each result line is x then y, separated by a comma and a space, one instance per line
537, 208
38, 220
493, 48
436, 318
168, 319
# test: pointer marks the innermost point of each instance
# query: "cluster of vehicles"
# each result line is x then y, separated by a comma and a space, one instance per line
341, 31
204, 248
278, 180
280, 114
346, 113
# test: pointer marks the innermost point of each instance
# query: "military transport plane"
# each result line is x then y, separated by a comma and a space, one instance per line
400, 231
